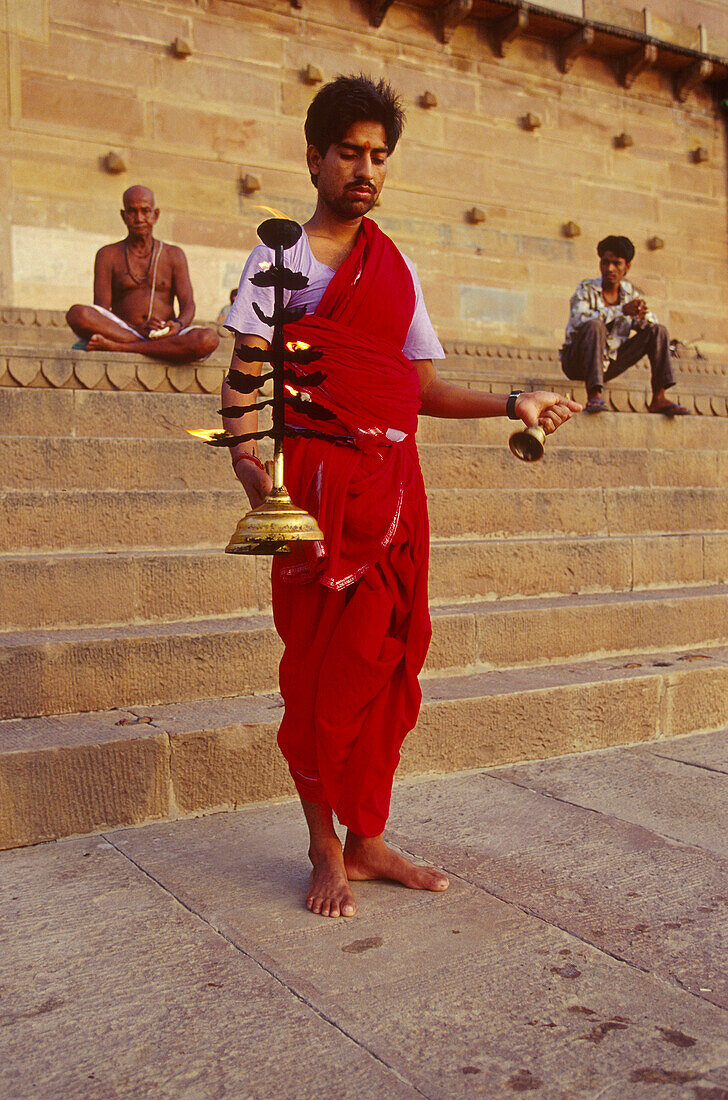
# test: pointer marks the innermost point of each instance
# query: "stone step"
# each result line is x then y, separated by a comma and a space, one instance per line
96, 668
81, 463
39, 591
130, 414
83, 773
95, 519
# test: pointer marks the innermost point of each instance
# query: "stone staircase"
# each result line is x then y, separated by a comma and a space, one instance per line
578, 602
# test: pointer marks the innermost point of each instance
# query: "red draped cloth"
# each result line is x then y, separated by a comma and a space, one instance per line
353, 611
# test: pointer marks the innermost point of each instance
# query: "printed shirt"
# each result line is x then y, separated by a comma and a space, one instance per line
587, 304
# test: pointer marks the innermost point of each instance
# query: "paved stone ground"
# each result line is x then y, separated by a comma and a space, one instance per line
580, 951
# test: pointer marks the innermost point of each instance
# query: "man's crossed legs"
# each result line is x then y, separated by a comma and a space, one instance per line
104, 331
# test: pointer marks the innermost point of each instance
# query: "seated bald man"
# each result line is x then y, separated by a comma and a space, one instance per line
136, 282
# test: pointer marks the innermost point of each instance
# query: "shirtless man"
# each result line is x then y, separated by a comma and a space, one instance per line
136, 282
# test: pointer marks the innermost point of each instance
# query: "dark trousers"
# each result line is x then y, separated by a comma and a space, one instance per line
583, 358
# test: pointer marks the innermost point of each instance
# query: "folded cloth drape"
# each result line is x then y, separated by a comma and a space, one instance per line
353, 611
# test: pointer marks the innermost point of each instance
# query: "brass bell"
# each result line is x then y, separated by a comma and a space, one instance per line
527, 443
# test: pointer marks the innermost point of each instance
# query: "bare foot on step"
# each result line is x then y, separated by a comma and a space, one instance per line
367, 858
330, 894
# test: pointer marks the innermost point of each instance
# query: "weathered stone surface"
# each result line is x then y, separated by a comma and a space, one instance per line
62, 590
520, 996
580, 843
646, 785
150, 999
88, 463
96, 520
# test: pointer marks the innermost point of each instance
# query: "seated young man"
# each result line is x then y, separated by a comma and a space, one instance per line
610, 328
136, 282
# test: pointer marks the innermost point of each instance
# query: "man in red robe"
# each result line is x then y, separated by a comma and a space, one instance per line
353, 610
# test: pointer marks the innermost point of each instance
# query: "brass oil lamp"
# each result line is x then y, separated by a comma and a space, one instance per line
276, 524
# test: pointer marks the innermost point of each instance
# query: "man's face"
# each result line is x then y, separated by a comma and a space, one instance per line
613, 269
351, 175
139, 213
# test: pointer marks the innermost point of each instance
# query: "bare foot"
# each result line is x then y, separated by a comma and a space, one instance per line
330, 894
368, 858
97, 342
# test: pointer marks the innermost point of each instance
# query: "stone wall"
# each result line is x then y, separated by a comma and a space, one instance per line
86, 77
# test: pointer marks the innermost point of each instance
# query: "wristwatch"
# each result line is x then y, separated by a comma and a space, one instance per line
511, 405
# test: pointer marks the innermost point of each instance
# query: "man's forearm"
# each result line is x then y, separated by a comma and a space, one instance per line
186, 313
446, 400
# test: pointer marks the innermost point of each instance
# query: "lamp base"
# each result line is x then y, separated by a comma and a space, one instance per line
273, 527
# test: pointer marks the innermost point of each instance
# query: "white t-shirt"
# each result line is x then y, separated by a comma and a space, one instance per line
421, 342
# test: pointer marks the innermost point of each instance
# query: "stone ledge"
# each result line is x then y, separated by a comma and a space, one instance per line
35, 358
71, 368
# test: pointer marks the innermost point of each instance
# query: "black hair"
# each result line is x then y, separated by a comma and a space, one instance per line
620, 246
349, 99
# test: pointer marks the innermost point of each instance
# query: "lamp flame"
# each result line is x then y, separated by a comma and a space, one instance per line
273, 212
203, 433
297, 345
298, 393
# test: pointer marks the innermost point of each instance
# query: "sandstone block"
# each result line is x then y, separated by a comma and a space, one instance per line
222, 38
137, 22
530, 724
79, 105
659, 563
529, 567
57, 790
697, 700
97, 520
98, 670
227, 768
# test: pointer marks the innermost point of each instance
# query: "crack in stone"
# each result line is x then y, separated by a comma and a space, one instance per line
687, 763
610, 817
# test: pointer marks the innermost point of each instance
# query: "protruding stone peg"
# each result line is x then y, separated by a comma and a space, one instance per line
571, 230
531, 122
428, 100
249, 184
699, 155
114, 163
312, 75
475, 215
623, 141
181, 48
655, 244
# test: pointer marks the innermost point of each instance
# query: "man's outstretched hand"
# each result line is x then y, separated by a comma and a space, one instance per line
549, 410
